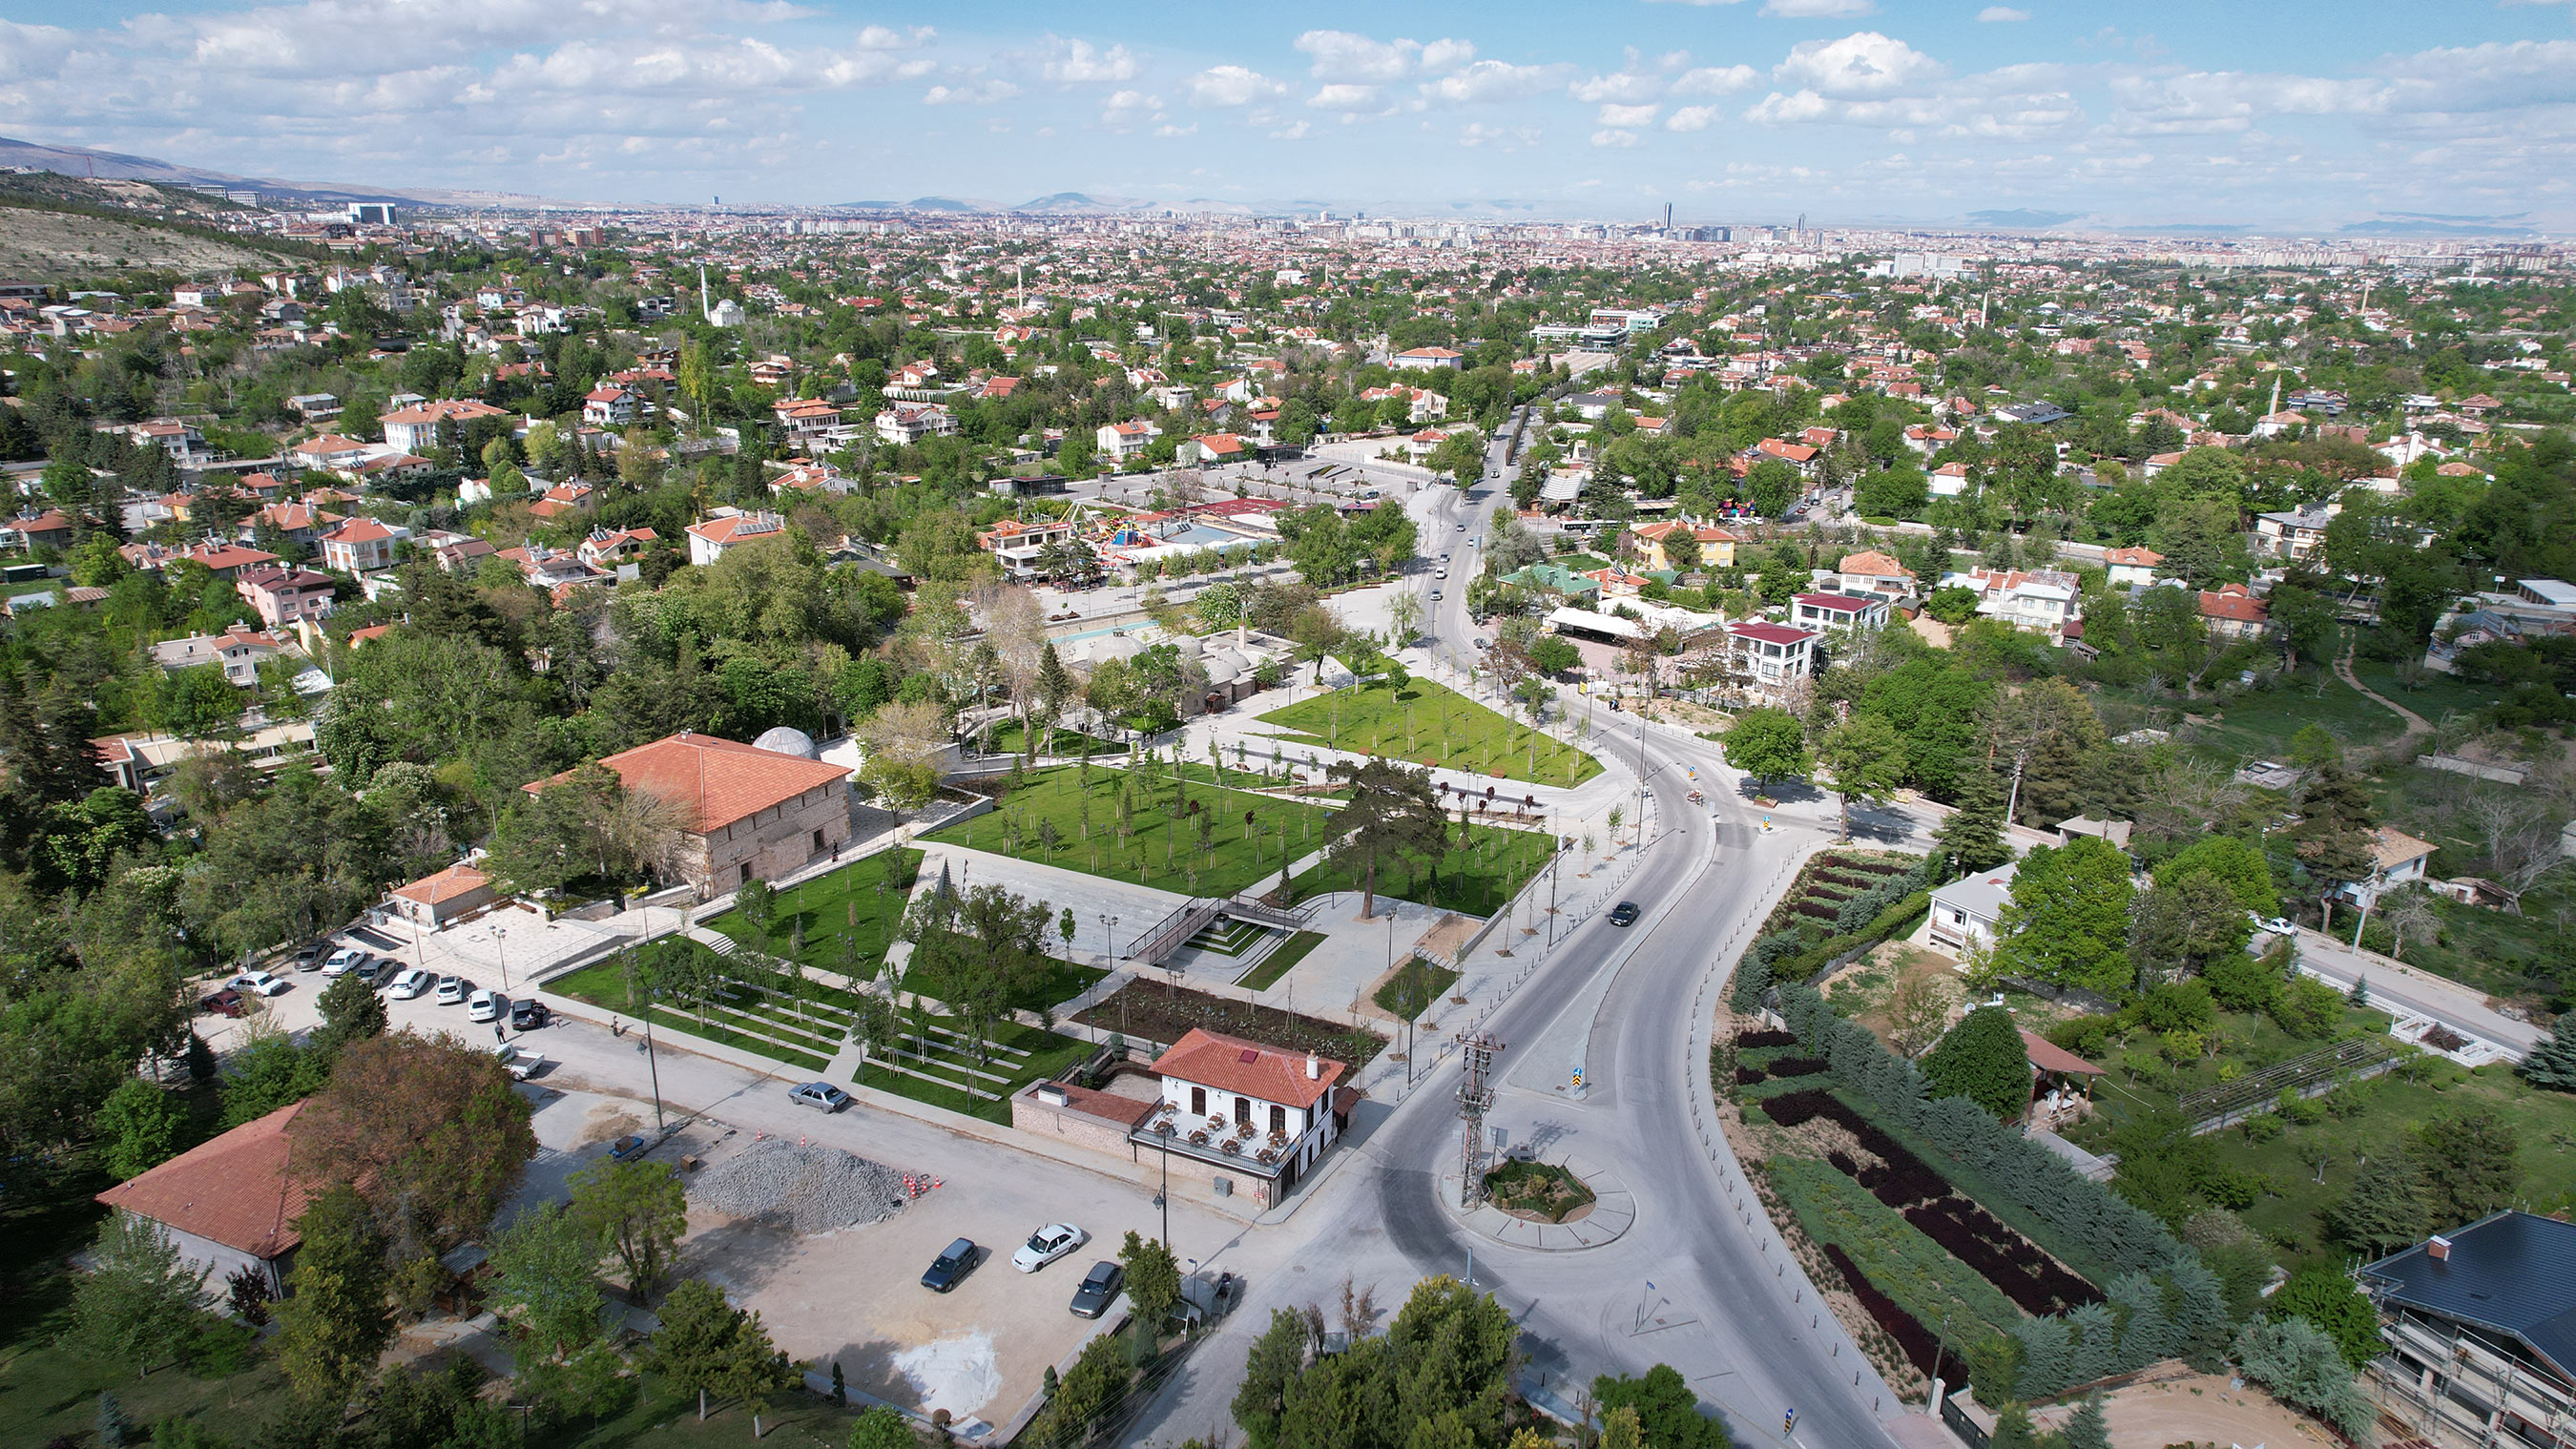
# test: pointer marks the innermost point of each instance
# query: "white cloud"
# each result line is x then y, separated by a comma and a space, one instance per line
1692, 118
1614, 139
1714, 80
982, 93
1128, 109
1341, 55
1862, 64
1819, 9
2000, 14
1627, 115
1344, 97
1297, 132
1494, 80
1624, 85
1500, 138
1232, 85
1078, 62
1191, 129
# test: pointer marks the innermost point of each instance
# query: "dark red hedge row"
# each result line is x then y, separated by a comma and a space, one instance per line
1796, 1066
1747, 1076
1754, 1040
2029, 1277
2003, 1257
1916, 1342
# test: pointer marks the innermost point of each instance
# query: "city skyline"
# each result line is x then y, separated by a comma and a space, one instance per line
2288, 118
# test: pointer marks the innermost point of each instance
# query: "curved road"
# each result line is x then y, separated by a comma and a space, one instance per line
1690, 1284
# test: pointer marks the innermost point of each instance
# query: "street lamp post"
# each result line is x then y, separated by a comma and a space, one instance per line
501, 941
1163, 1199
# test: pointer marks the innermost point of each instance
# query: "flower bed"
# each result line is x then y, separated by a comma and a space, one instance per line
2035, 1282
1916, 1342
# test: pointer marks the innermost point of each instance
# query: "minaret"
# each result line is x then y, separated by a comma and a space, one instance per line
2276, 395
704, 309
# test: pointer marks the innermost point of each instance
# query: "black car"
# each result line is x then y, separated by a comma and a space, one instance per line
1624, 914
529, 1015
952, 1265
1099, 1289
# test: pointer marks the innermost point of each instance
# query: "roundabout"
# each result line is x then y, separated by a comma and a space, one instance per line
1602, 1222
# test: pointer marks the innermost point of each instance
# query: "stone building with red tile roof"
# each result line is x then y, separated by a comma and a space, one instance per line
744, 813
435, 900
1257, 1115
228, 1203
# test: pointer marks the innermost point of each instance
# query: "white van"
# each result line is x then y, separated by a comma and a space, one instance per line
412, 983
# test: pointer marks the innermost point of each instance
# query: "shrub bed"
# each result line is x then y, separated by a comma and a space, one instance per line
1920, 1347
1755, 1040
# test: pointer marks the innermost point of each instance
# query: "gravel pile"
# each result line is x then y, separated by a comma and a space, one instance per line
813, 1189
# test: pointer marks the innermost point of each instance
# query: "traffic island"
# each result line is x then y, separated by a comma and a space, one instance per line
1522, 1195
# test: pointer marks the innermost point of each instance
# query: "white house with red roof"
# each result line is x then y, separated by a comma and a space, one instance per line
2125, 566
1215, 448
610, 406
2232, 612
228, 1203
1236, 1104
330, 451
729, 527
435, 900
358, 545
1839, 613
606, 548
415, 429
1125, 442
1768, 658
1427, 359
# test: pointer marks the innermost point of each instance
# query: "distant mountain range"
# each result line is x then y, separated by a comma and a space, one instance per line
116, 165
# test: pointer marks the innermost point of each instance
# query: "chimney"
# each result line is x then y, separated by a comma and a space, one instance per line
2439, 1249
1314, 1068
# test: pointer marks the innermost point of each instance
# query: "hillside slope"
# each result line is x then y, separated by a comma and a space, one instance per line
56, 246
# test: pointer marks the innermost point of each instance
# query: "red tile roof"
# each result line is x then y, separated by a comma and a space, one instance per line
2048, 1056
454, 881
715, 781
233, 1190
1231, 1064
1836, 603
1768, 633
2233, 602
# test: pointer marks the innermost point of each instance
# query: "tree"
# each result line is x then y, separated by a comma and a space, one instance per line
1553, 654
2179, 927
1972, 839
430, 1125
352, 1010
752, 1368
2552, 1063
546, 1269
2232, 862
1099, 1377
2335, 1305
1768, 744
1954, 604
2385, 1209
884, 1428
2068, 921
1866, 759
903, 742
335, 1321
140, 1302
2333, 836
1917, 1011
697, 1331
1270, 1370
2085, 1428
196, 703
1392, 815
2305, 1369
1667, 1409
1153, 1279
139, 1127
636, 1210
2468, 1164
1984, 1060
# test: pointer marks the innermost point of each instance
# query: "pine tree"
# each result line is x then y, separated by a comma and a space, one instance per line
2095, 1334
334, 1319
2552, 1063
2146, 1333
1984, 1060
2047, 1357
2012, 1430
2086, 1430
114, 1429
1972, 839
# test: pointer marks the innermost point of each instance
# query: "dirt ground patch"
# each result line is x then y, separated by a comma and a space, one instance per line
2197, 1409
1868, 987
606, 1122
46, 244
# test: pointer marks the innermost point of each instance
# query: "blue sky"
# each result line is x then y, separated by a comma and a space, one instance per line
2289, 116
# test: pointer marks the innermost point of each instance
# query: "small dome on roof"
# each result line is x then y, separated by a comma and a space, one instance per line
788, 740
1116, 646
1188, 645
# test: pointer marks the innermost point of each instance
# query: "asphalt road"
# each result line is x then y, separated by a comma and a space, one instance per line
1690, 1284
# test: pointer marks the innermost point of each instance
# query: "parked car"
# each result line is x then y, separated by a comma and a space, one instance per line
309, 955
344, 961
1099, 1289
258, 983
951, 1266
486, 1006
2277, 925
626, 1147
453, 990
412, 983
226, 1002
518, 1061
1046, 1245
821, 1095
1624, 914
527, 1014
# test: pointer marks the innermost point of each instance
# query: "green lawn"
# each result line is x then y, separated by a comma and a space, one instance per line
1432, 724
1058, 741
2428, 693
1019, 1055
846, 905
749, 1020
2142, 1078
1159, 849
1061, 982
2543, 1122
1415, 985
1475, 880
1278, 963
1899, 1259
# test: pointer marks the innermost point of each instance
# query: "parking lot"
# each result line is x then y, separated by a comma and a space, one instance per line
853, 1294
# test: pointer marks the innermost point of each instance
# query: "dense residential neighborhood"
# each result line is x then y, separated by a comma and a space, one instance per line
1181, 749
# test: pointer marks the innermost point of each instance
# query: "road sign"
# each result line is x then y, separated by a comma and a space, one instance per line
1578, 1076
1788, 1421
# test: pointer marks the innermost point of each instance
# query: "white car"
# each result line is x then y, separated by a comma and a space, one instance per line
343, 961
257, 983
410, 984
2278, 925
453, 989
486, 1006
1048, 1244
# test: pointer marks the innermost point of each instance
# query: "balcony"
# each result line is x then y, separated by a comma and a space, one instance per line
1239, 1146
